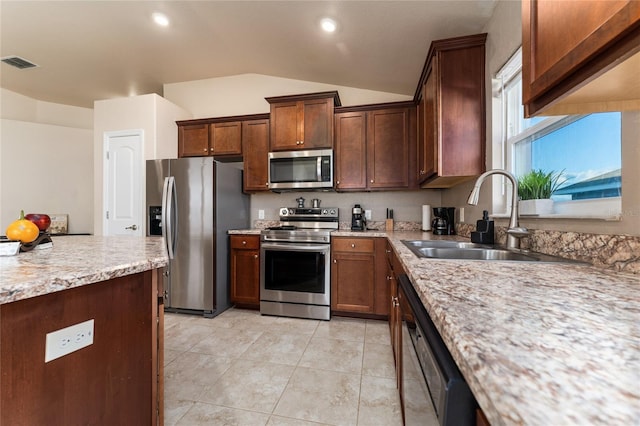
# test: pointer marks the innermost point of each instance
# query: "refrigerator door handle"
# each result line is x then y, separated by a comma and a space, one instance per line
169, 215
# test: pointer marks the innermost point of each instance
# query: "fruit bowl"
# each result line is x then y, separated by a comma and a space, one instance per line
43, 240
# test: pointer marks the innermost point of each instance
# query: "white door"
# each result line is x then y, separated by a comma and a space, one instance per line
124, 200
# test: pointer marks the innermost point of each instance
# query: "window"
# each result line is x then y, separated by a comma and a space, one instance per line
586, 149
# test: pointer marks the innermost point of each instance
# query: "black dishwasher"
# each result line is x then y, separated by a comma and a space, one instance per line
431, 381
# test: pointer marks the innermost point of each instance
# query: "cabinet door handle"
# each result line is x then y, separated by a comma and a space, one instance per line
335, 261
371, 180
337, 182
353, 245
244, 243
206, 150
255, 256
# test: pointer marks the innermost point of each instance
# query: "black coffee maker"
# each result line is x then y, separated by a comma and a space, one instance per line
444, 219
357, 218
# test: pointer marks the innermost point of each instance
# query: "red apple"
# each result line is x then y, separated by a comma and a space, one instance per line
42, 221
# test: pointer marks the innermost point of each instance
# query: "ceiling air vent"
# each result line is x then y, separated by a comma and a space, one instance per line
18, 62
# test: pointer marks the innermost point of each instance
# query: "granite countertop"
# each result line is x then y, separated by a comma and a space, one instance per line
74, 261
253, 231
538, 344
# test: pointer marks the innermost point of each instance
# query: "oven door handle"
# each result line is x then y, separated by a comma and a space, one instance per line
294, 247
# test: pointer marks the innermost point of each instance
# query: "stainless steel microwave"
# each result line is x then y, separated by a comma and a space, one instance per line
311, 169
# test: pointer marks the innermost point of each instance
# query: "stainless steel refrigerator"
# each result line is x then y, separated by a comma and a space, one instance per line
192, 203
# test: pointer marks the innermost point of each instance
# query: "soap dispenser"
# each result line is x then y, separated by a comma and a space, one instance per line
484, 230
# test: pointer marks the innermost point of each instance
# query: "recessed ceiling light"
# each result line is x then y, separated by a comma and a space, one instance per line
328, 24
160, 19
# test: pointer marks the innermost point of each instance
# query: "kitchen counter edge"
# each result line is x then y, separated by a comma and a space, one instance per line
74, 261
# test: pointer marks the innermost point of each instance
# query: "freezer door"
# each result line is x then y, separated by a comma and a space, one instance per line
192, 269
156, 171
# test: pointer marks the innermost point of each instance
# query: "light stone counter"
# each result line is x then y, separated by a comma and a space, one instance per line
74, 261
539, 344
253, 231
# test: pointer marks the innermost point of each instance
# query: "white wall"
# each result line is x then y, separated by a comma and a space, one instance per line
245, 93
46, 164
154, 115
504, 37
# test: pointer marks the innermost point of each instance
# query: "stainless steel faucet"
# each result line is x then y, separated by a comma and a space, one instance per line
515, 231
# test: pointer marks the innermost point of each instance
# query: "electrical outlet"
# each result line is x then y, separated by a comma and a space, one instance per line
260, 214
66, 340
367, 214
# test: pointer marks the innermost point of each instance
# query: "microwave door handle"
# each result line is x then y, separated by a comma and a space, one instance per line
319, 169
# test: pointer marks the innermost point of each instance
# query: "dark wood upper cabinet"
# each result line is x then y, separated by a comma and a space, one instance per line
388, 148
351, 151
451, 99
580, 57
220, 136
302, 121
255, 146
375, 147
226, 138
193, 140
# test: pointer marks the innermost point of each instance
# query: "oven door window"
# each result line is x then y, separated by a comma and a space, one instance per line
297, 271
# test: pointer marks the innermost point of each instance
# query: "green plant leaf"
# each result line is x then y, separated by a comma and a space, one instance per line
537, 184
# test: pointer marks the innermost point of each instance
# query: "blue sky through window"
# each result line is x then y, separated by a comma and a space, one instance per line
584, 149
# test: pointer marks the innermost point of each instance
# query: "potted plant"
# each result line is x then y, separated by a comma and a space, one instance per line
535, 190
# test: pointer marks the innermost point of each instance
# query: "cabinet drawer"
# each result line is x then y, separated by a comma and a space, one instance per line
353, 245
245, 242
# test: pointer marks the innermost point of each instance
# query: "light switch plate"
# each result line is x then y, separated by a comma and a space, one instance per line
69, 339
260, 214
367, 214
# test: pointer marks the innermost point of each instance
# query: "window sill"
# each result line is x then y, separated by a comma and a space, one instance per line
614, 218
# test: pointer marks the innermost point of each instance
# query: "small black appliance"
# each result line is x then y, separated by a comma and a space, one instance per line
443, 221
357, 218
155, 220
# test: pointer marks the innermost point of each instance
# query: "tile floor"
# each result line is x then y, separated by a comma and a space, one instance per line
242, 368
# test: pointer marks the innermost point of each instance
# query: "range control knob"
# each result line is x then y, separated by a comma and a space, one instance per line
333, 212
284, 211
291, 211
325, 211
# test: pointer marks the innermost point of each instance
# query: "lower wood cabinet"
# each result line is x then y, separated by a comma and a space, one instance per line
395, 315
358, 276
244, 270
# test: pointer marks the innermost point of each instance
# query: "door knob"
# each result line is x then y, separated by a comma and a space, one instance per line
132, 227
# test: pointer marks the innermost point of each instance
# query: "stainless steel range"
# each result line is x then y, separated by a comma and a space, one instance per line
295, 271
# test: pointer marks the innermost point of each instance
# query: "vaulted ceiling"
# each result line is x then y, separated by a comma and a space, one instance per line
92, 50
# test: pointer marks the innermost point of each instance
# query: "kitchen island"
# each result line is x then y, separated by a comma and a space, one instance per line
113, 281
538, 343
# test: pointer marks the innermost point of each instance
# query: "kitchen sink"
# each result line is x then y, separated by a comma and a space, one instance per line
470, 251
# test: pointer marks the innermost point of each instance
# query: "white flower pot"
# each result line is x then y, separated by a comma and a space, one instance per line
536, 207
